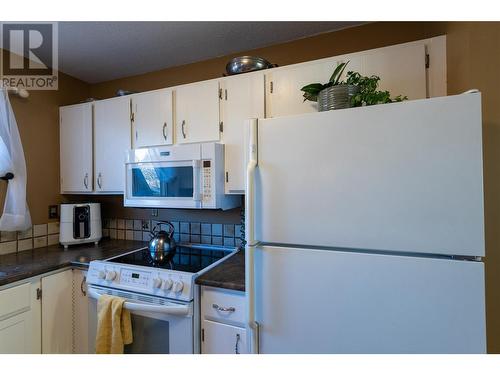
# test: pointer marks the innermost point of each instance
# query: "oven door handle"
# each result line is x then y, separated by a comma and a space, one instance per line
143, 307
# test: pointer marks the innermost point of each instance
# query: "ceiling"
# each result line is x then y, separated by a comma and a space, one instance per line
101, 51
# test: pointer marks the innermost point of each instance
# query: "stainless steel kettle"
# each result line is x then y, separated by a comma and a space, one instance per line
162, 244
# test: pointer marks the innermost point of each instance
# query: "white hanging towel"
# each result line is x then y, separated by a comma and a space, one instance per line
16, 215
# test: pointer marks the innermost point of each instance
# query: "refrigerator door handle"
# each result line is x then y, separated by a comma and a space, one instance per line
253, 338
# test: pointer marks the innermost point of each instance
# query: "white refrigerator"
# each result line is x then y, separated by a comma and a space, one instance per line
365, 230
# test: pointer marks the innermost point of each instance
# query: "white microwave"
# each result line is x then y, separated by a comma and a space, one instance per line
180, 176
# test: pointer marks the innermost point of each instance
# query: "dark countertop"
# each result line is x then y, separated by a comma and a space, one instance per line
29, 263
230, 274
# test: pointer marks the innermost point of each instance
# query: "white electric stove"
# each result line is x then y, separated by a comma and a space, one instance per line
163, 298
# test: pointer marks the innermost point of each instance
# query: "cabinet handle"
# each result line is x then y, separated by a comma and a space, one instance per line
182, 128
236, 350
84, 280
223, 309
164, 129
86, 181
99, 182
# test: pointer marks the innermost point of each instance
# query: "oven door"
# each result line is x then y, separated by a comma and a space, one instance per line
168, 184
159, 325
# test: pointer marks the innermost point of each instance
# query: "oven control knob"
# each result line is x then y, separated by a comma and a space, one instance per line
110, 275
102, 275
178, 286
157, 283
167, 284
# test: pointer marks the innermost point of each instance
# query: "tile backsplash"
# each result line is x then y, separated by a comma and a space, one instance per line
194, 232
40, 235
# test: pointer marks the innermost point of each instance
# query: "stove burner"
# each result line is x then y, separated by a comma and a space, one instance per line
146, 256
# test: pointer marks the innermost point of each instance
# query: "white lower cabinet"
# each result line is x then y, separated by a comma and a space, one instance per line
65, 313
57, 313
48, 315
80, 312
20, 329
219, 338
222, 321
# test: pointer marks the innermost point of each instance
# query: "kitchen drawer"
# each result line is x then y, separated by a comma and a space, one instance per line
15, 300
215, 300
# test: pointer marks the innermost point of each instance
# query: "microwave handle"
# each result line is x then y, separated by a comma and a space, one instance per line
197, 180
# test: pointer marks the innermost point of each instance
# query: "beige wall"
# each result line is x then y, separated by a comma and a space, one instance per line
473, 52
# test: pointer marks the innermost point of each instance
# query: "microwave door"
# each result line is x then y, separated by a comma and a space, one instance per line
163, 184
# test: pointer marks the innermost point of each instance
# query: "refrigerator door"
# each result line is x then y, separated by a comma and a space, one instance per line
403, 177
322, 301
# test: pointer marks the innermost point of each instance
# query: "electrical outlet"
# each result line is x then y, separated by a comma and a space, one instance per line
154, 212
53, 214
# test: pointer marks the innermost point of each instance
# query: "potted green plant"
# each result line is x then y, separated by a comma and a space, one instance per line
335, 94
356, 91
368, 93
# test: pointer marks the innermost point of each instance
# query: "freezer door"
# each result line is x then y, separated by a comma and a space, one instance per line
403, 176
322, 301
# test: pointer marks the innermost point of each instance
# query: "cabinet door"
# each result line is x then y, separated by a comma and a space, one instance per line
111, 141
219, 338
81, 312
401, 69
75, 137
152, 118
57, 313
20, 331
197, 112
283, 95
242, 99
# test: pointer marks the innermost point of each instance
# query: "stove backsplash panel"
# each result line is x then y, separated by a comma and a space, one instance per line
193, 232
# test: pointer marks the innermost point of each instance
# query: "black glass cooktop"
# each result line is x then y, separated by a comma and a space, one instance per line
187, 258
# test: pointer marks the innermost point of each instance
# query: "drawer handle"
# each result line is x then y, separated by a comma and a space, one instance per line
223, 309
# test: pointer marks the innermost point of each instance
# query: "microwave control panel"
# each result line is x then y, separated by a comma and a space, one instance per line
207, 180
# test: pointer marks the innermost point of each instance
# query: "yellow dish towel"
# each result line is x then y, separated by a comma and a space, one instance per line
114, 327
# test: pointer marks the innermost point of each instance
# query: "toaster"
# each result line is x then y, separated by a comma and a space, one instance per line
80, 223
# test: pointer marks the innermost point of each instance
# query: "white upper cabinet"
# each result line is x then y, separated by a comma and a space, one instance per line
75, 133
152, 118
242, 99
283, 95
197, 112
111, 141
402, 68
